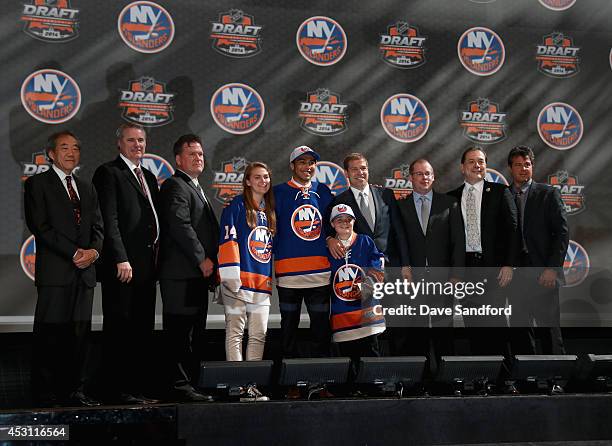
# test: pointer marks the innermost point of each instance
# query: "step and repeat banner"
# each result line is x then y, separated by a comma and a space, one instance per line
396, 80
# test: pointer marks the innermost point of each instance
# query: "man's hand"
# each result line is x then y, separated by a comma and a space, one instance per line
207, 267
548, 278
505, 276
407, 273
335, 248
124, 272
84, 257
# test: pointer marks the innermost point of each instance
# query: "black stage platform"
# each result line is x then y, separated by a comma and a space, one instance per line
561, 420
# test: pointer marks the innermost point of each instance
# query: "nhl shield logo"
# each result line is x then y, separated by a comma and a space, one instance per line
400, 182
483, 123
50, 96
323, 114
572, 192
404, 118
237, 108
260, 244
161, 168
27, 257
402, 46
321, 41
146, 27
236, 35
306, 222
50, 20
557, 56
332, 175
348, 281
481, 51
557, 5
576, 265
147, 102
228, 181
560, 126
495, 176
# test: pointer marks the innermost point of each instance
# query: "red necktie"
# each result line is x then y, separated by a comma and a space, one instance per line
74, 199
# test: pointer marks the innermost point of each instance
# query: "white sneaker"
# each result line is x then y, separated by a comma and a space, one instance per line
252, 394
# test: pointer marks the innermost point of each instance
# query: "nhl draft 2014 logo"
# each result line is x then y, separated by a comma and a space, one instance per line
260, 244
50, 96
228, 180
402, 46
50, 20
321, 41
572, 192
323, 113
483, 122
557, 56
237, 108
161, 168
147, 102
146, 27
236, 35
27, 257
560, 126
399, 182
348, 281
39, 164
558, 5
494, 176
481, 51
404, 117
332, 175
576, 265
306, 222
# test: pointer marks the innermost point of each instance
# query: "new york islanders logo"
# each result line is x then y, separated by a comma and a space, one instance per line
146, 27
481, 51
237, 108
260, 244
332, 175
557, 56
495, 176
399, 182
39, 164
27, 257
50, 20
576, 265
323, 114
404, 117
306, 222
402, 46
161, 168
321, 41
558, 5
572, 192
560, 126
228, 181
147, 102
348, 281
236, 35
50, 96
483, 122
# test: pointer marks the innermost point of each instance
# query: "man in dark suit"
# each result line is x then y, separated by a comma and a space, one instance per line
62, 212
544, 237
436, 246
490, 221
188, 257
128, 196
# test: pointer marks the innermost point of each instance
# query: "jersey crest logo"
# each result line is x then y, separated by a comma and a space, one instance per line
147, 102
228, 181
399, 182
348, 281
495, 176
27, 256
237, 108
146, 27
483, 123
332, 175
572, 192
402, 46
50, 20
576, 265
260, 244
306, 222
236, 35
161, 168
321, 41
322, 114
557, 56
481, 51
557, 5
50, 96
404, 117
560, 126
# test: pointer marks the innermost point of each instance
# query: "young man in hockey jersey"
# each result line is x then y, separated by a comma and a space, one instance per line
300, 253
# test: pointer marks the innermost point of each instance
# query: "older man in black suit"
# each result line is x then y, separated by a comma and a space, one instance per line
188, 257
128, 196
62, 212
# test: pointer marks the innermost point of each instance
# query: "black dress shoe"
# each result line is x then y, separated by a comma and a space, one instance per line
82, 399
188, 393
128, 398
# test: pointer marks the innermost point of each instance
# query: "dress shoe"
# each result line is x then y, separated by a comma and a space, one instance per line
188, 393
128, 398
83, 399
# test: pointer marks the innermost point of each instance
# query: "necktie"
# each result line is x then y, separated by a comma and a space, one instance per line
471, 217
424, 213
141, 180
74, 199
518, 199
364, 207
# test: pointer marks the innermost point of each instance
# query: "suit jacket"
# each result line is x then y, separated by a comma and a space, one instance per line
388, 234
499, 235
129, 221
189, 229
50, 217
444, 243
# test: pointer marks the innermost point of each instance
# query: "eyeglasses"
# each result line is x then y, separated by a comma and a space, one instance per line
423, 174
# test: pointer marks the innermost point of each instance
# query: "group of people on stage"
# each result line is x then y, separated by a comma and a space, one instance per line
327, 251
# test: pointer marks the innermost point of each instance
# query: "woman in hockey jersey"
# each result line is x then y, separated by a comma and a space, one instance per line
245, 268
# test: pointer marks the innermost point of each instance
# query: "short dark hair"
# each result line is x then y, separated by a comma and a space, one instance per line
353, 157
185, 139
52, 141
472, 149
128, 125
522, 151
420, 160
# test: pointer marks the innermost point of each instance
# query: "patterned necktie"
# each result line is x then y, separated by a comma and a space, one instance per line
424, 213
74, 199
471, 217
364, 207
141, 180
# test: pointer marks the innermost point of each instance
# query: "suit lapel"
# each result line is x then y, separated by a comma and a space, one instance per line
532, 193
131, 176
378, 205
484, 206
57, 189
190, 185
352, 202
